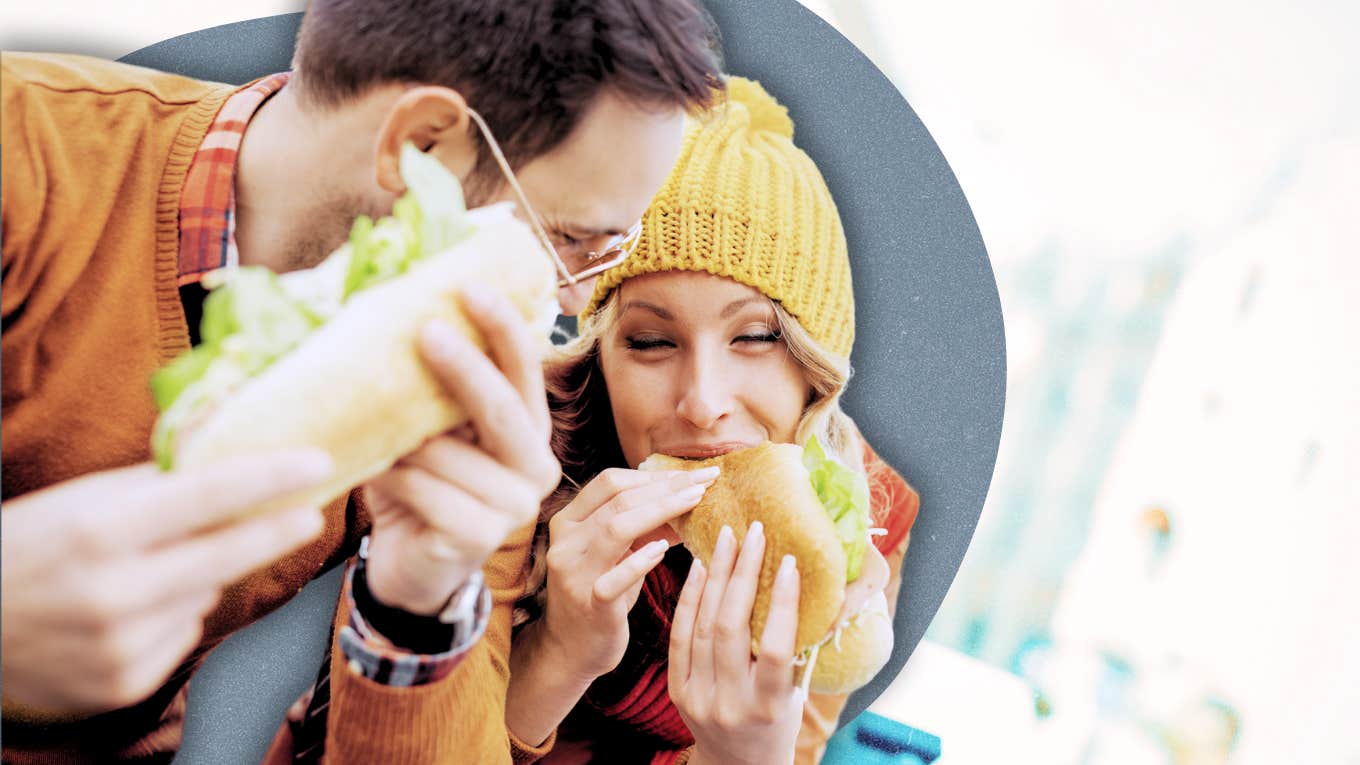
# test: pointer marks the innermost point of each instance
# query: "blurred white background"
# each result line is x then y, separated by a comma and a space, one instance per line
1170, 195
1168, 191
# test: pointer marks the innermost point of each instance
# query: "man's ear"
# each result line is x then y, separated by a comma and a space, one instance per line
436, 120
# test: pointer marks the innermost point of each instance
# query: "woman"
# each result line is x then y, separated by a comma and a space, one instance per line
730, 325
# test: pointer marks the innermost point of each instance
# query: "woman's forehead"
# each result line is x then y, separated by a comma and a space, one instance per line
682, 290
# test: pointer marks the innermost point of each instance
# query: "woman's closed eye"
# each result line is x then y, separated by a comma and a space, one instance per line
758, 337
647, 342
757, 334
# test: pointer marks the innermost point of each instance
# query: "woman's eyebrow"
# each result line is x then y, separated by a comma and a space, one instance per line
642, 304
736, 305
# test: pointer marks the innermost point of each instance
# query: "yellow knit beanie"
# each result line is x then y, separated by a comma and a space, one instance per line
745, 203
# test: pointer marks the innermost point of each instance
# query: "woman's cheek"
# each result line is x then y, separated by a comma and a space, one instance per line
635, 397
776, 387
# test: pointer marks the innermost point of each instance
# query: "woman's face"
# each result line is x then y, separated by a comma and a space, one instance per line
695, 367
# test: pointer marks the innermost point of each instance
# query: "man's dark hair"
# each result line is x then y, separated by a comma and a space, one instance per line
530, 67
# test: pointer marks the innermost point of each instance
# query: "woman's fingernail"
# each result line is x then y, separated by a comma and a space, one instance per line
657, 547
787, 566
696, 569
705, 475
691, 493
726, 537
756, 531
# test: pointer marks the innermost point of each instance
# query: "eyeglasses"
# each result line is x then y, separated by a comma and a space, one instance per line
612, 254
598, 261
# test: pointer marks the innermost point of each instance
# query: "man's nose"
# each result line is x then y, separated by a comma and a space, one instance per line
573, 297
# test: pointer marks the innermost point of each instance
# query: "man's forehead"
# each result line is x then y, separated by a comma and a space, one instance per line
602, 177
580, 218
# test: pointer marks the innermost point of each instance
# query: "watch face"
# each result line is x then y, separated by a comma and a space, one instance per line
466, 605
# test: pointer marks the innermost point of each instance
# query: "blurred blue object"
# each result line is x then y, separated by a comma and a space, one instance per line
872, 739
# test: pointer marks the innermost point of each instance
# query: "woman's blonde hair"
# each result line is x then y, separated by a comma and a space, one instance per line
586, 443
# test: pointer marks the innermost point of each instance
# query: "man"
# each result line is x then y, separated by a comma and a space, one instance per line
122, 187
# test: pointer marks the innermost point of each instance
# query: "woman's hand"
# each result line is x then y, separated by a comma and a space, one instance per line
596, 565
594, 571
740, 710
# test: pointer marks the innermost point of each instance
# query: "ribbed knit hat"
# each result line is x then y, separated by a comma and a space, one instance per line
745, 203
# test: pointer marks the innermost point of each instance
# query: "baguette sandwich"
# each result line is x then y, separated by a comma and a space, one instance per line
327, 357
817, 510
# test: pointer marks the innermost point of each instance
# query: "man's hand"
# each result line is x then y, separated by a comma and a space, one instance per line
106, 578
442, 510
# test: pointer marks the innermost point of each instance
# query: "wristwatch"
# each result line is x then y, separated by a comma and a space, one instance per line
458, 624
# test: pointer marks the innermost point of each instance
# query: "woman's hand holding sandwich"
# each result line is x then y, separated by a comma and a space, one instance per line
442, 510
740, 710
597, 560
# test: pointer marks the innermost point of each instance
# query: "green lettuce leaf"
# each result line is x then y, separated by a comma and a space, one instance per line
437, 209
248, 322
845, 495
170, 381
430, 217
256, 316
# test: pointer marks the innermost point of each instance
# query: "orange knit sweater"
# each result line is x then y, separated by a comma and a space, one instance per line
94, 160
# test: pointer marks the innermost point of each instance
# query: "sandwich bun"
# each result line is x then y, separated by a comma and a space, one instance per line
357, 387
855, 650
770, 483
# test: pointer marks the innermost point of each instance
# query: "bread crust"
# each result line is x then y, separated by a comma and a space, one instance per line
855, 651
769, 483
357, 386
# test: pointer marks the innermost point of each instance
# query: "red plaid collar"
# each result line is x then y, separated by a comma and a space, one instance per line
207, 205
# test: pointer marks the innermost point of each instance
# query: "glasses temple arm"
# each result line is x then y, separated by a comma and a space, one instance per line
523, 200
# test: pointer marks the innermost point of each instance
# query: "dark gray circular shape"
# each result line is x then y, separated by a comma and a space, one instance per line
930, 371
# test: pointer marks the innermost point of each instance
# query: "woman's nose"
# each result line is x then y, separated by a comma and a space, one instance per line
705, 398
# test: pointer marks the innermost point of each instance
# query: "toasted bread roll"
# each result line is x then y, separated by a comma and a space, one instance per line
768, 483
855, 650
357, 386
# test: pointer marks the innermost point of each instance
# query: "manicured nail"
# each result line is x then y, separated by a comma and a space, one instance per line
787, 567
756, 531
657, 547
726, 536
696, 569
691, 494
704, 475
